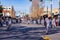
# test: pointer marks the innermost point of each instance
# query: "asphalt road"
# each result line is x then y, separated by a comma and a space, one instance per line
25, 33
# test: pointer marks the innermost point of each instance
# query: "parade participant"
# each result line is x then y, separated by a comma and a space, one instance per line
53, 23
47, 26
0, 22
7, 22
42, 21
57, 22
38, 21
34, 22
50, 23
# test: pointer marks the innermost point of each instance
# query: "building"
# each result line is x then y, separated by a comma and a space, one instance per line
9, 11
37, 9
55, 11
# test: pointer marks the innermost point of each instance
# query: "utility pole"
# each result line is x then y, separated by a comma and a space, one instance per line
47, 9
59, 6
51, 6
59, 9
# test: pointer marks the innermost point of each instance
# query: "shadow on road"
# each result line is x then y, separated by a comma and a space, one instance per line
29, 33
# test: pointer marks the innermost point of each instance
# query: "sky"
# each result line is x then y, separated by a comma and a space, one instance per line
24, 5
55, 3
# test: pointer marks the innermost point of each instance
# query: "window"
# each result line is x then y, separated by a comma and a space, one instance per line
9, 8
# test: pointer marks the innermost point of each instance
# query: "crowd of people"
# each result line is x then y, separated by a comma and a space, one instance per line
51, 22
47, 22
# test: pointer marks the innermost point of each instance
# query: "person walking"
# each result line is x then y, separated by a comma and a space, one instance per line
50, 23
53, 23
0, 22
57, 22
38, 21
7, 22
42, 22
47, 26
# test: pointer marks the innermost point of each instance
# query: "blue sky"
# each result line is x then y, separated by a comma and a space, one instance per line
55, 3
24, 5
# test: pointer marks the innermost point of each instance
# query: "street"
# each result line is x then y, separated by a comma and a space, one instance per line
29, 19
27, 33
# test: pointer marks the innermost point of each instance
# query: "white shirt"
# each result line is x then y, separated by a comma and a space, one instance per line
38, 21
42, 21
53, 22
47, 21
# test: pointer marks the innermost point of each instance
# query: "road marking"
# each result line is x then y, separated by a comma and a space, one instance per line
46, 37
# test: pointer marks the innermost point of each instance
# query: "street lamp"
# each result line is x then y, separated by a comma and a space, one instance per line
47, 9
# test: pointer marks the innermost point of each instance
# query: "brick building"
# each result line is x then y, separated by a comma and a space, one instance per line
9, 11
